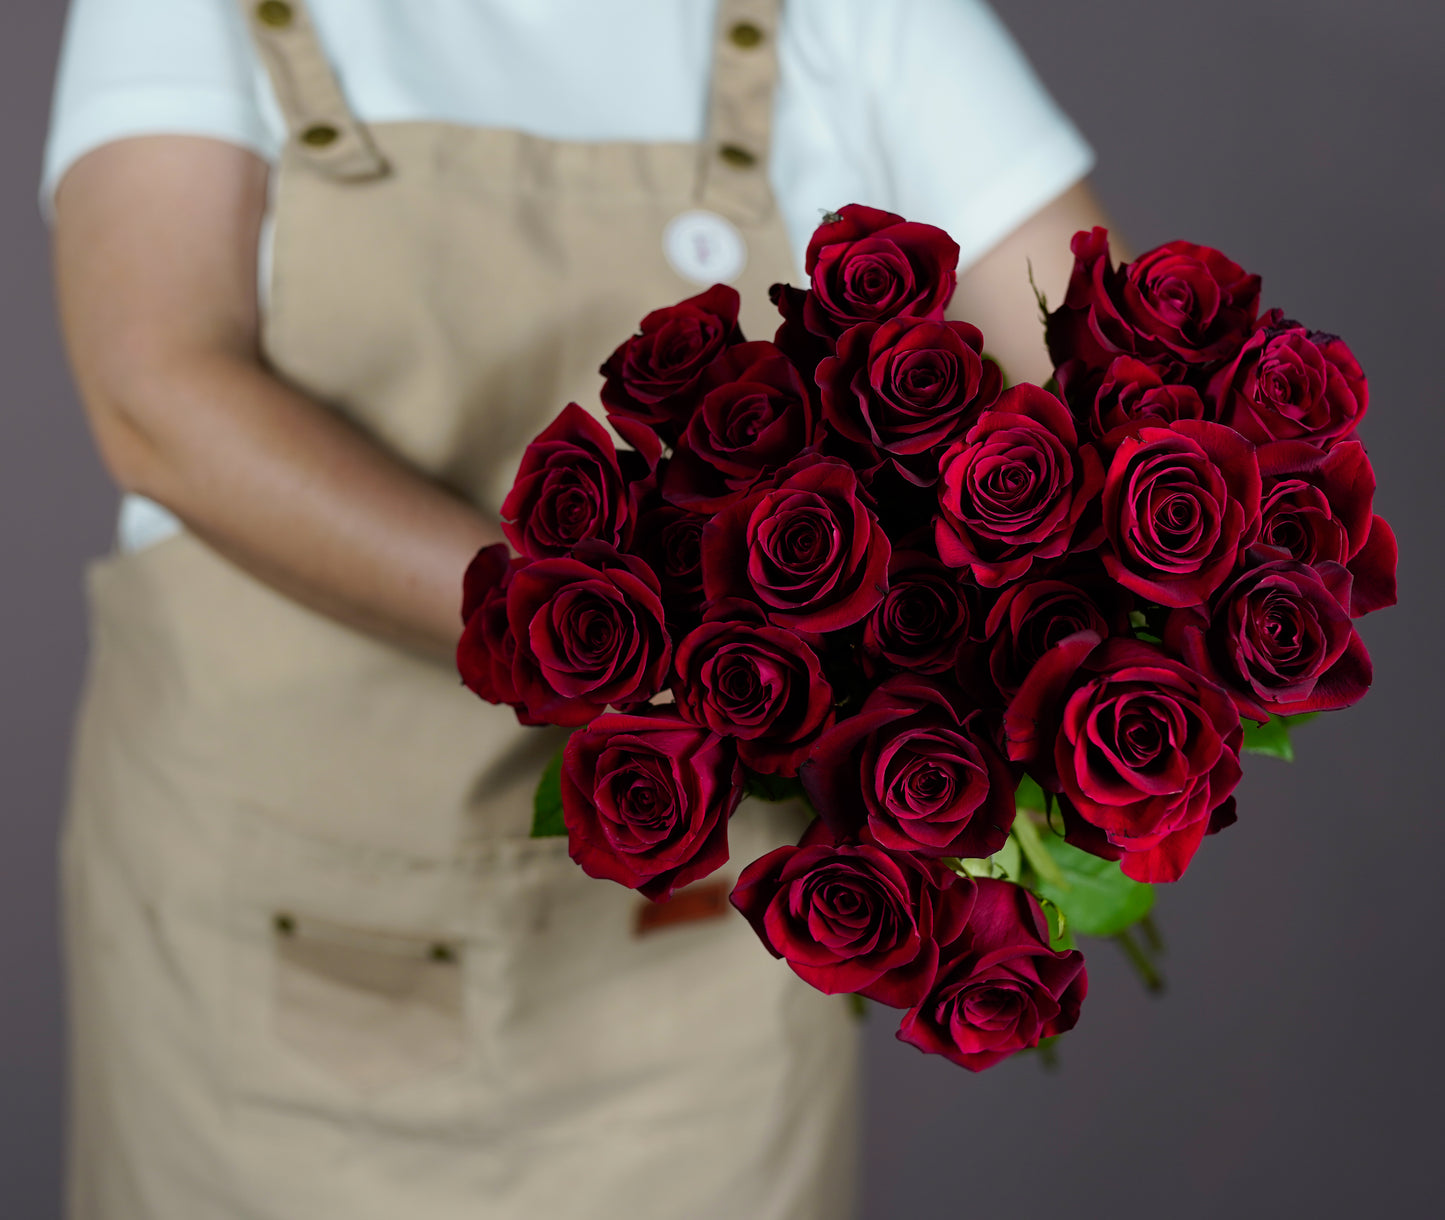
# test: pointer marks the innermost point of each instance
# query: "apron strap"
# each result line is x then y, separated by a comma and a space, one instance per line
733, 175
323, 130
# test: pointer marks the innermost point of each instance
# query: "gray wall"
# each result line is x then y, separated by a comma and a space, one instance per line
1293, 1067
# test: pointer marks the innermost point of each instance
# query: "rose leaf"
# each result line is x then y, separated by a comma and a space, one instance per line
1097, 899
1271, 738
772, 787
547, 820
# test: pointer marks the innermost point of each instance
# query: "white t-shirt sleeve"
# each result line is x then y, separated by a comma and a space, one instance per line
153, 67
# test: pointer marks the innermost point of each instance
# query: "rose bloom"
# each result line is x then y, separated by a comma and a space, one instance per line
854, 917
589, 632
652, 378
487, 648
1177, 302
1142, 750
1030, 618
1013, 490
1279, 637
808, 549
917, 769
647, 798
906, 388
760, 684
1181, 505
669, 541
1127, 393
925, 617
1289, 383
1317, 507
1000, 989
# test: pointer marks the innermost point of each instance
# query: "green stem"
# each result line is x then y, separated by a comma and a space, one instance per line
1038, 856
1143, 967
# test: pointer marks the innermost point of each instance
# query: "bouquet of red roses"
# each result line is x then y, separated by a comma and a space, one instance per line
1008, 642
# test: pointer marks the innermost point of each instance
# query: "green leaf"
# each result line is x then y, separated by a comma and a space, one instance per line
1031, 842
1061, 936
1273, 736
1028, 795
773, 787
1096, 897
1006, 862
547, 820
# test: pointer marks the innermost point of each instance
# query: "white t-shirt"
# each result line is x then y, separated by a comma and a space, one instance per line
924, 107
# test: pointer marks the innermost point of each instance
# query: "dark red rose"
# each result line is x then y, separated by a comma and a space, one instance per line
867, 266
1127, 393
854, 917
1317, 506
589, 632
1181, 505
1279, 638
1013, 490
1030, 618
652, 378
647, 800
756, 415
1177, 302
808, 549
569, 489
669, 540
1143, 751
915, 768
761, 684
923, 619
487, 648
1290, 383
907, 388
1000, 988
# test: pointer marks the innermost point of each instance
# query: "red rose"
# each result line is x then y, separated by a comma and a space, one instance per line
487, 648
758, 683
1013, 490
853, 917
923, 619
1279, 637
652, 378
756, 414
906, 388
1127, 393
1290, 383
1141, 748
1181, 504
1030, 618
589, 632
918, 770
669, 540
808, 549
1177, 302
647, 800
867, 266
1000, 988
1317, 507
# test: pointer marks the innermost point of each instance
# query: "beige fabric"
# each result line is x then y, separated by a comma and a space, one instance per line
317, 968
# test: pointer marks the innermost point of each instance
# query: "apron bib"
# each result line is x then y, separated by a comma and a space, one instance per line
317, 967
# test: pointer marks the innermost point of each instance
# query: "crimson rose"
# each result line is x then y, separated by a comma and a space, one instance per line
917, 769
1013, 490
670, 541
647, 799
1030, 618
1000, 988
923, 619
486, 649
1128, 392
854, 917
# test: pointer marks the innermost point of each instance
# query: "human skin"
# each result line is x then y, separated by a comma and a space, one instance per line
155, 244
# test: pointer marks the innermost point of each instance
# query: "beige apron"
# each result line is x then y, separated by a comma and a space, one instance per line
318, 969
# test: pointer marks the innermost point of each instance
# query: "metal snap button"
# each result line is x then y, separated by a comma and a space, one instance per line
442, 952
283, 923
737, 157
319, 135
275, 13
745, 34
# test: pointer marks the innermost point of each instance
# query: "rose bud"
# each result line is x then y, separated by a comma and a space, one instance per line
1127, 393
917, 769
652, 378
1177, 302
853, 917
1030, 618
1143, 751
756, 414
1317, 507
589, 632
646, 800
487, 647
1289, 383
923, 619
1013, 490
1000, 988
1279, 638
1181, 505
754, 682
868, 266
809, 549
906, 388
669, 540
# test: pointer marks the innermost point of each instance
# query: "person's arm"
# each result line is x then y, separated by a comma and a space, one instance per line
996, 296
155, 254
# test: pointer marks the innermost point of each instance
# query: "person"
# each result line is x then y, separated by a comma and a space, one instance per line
324, 269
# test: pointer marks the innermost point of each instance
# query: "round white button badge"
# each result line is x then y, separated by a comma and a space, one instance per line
704, 247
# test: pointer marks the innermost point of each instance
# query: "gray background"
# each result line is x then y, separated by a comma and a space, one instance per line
1293, 1068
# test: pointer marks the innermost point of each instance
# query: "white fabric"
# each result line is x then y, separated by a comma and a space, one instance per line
924, 107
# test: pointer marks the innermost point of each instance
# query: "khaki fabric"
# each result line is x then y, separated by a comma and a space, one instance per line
317, 967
